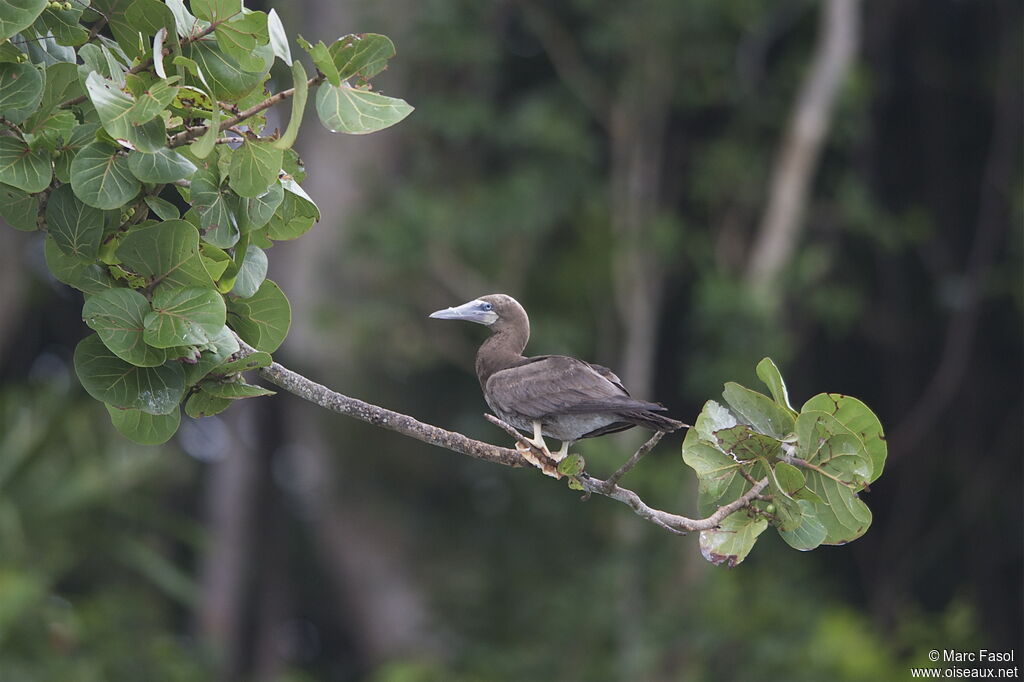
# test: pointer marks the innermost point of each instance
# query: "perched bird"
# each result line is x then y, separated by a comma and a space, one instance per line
549, 395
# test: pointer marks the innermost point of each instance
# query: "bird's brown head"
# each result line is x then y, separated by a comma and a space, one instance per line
499, 312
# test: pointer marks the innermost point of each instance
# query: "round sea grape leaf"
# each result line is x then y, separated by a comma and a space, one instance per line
732, 541
23, 168
165, 252
254, 166
162, 166
227, 79
216, 10
112, 105
118, 316
188, 316
82, 275
143, 428
758, 410
241, 36
164, 210
343, 109
20, 209
295, 216
21, 89
212, 202
252, 273
263, 319
256, 212
108, 378
361, 55
859, 419
17, 15
201, 404
810, 533
75, 227
101, 178
829, 444
744, 443
81, 135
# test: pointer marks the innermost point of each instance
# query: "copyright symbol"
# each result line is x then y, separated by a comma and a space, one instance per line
933, 655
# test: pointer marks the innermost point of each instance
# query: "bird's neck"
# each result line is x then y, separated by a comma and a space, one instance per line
501, 350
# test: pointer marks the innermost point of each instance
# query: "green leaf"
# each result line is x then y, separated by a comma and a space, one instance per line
859, 419
254, 166
52, 131
164, 210
60, 84
17, 15
184, 22
356, 112
202, 404
810, 533
21, 89
216, 10
153, 100
262, 320
149, 16
828, 443
233, 390
112, 105
718, 474
732, 541
75, 227
188, 316
758, 410
772, 378
166, 252
363, 55
81, 135
742, 442
164, 165
278, 38
322, 60
226, 78
215, 353
788, 516
108, 378
23, 168
295, 216
256, 212
118, 316
142, 428
212, 203
789, 478
82, 275
19, 208
298, 107
101, 178
65, 26
240, 37
252, 273
572, 465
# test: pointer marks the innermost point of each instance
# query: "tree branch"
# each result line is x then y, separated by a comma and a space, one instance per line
318, 394
189, 134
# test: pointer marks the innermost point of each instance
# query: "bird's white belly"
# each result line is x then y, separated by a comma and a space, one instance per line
575, 426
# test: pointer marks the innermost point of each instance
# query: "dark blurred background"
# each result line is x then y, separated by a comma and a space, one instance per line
674, 189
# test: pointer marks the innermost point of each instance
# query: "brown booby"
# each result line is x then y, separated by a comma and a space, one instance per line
548, 395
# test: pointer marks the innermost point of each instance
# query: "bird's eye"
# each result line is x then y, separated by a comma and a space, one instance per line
486, 306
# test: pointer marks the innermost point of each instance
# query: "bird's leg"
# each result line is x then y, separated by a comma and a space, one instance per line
563, 452
537, 443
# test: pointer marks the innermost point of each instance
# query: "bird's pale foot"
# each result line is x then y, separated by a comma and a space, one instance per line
545, 461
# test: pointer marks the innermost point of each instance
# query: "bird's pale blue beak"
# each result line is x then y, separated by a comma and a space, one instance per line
477, 311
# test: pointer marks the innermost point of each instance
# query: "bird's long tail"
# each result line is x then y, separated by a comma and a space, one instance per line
653, 421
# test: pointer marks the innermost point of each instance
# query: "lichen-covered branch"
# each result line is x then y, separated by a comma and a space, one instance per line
318, 394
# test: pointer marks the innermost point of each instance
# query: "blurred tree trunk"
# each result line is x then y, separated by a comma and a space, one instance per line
800, 149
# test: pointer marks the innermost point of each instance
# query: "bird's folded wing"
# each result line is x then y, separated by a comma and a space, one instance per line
556, 384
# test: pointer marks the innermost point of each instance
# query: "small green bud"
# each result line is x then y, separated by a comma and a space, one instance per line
770, 509
67, 6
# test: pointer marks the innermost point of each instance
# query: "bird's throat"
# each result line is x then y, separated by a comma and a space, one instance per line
501, 350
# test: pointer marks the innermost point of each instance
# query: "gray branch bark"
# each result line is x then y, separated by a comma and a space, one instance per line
798, 156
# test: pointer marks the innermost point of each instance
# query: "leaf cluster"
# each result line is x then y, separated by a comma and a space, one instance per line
132, 134
816, 461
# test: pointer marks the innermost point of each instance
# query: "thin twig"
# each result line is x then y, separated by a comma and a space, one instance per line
307, 389
636, 457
